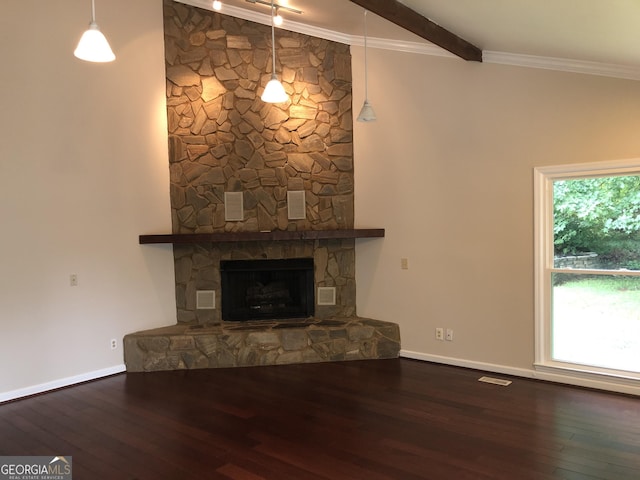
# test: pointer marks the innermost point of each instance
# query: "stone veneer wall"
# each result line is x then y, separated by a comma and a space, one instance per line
222, 137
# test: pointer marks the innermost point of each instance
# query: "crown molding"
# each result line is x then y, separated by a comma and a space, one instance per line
423, 48
564, 65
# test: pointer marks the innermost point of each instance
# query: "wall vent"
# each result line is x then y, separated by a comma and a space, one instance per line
206, 300
326, 295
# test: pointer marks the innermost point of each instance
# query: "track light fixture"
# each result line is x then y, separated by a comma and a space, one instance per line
278, 20
268, 4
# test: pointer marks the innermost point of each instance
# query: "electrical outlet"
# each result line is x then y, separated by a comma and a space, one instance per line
404, 263
449, 336
439, 333
114, 344
73, 280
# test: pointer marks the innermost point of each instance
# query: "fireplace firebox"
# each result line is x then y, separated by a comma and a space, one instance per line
267, 289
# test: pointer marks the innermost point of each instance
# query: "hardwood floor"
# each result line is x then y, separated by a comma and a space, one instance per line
373, 420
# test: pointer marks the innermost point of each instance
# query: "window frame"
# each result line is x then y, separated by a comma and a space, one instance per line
544, 267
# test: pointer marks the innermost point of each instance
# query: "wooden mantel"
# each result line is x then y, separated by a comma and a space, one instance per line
278, 235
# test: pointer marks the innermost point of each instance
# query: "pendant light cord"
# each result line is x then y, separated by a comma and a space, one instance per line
273, 42
366, 82
93, 11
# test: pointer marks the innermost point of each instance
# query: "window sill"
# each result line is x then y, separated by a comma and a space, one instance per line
590, 377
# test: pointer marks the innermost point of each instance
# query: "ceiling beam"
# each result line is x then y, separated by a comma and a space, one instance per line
411, 20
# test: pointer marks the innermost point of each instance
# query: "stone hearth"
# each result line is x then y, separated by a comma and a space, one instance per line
237, 344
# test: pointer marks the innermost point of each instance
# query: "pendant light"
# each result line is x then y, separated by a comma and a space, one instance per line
274, 91
366, 113
217, 5
93, 46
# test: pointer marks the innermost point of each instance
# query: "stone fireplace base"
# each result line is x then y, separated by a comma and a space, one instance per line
240, 344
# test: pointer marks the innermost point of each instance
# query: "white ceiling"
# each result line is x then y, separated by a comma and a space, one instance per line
605, 31
570, 31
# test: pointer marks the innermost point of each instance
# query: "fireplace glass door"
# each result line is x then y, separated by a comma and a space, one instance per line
267, 289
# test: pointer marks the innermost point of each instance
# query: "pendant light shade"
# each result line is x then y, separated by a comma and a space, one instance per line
274, 91
366, 112
93, 45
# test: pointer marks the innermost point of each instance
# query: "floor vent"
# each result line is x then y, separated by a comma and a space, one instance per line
495, 381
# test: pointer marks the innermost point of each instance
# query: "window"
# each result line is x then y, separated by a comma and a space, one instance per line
587, 266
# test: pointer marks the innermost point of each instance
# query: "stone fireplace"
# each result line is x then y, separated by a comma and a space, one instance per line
223, 138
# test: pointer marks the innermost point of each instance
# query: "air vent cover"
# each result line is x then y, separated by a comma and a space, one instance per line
495, 381
206, 299
326, 295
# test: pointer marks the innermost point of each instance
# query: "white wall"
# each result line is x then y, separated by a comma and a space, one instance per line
83, 172
447, 170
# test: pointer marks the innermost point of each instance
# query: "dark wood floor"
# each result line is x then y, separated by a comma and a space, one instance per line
373, 420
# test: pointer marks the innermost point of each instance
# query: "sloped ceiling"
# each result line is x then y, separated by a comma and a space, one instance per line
591, 30
588, 36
